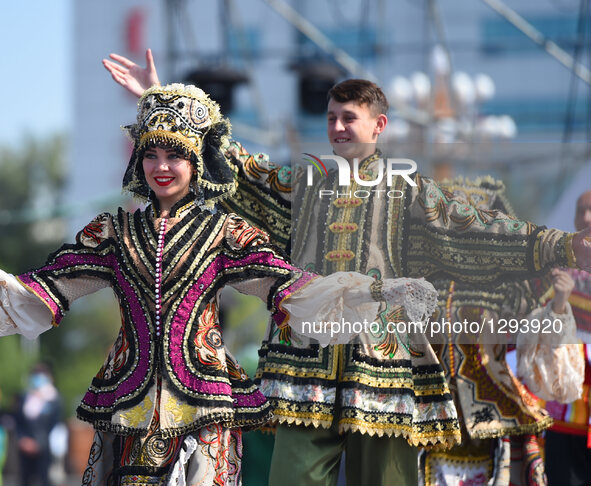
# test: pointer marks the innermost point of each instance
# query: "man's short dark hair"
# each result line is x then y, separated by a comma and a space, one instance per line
360, 91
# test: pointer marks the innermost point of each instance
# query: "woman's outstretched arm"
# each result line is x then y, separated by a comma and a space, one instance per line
133, 78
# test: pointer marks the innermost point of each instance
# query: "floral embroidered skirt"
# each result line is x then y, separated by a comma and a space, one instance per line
510, 460
211, 456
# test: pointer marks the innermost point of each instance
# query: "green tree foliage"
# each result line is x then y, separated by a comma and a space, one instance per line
32, 179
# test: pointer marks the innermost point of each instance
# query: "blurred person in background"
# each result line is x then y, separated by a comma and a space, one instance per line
501, 421
38, 412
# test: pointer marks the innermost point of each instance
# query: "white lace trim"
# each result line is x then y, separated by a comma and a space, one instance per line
552, 365
417, 296
178, 476
337, 308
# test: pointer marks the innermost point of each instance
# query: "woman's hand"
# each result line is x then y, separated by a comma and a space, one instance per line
132, 77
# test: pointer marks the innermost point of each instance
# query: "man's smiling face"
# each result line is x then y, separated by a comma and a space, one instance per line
353, 128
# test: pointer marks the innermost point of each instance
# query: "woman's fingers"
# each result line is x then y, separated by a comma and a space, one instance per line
122, 60
150, 60
114, 68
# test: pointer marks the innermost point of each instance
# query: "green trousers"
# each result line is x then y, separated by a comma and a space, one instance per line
309, 456
256, 457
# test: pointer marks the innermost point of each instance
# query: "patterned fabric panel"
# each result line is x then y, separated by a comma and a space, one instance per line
263, 194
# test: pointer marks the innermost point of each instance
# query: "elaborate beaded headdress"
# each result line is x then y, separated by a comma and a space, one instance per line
184, 118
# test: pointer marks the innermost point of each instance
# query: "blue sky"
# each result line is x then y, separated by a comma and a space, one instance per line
36, 68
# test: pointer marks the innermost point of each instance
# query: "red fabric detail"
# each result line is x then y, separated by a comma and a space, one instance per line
135, 31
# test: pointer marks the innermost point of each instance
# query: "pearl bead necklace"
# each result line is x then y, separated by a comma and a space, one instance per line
159, 252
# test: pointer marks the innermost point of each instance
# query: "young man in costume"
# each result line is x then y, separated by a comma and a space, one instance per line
169, 404
356, 397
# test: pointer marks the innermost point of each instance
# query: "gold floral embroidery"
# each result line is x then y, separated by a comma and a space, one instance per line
137, 416
181, 412
208, 339
347, 202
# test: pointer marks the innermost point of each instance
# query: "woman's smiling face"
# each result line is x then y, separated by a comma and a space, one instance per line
167, 173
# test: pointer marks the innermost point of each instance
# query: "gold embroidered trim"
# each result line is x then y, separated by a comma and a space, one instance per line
437, 439
343, 227
339, 256
347, 202
178, 139
570, 254
317, 420
537, 246
533, 428
182, 209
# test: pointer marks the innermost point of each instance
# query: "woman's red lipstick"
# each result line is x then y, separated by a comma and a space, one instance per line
163, 181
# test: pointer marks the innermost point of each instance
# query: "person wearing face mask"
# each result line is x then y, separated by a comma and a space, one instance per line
38, 412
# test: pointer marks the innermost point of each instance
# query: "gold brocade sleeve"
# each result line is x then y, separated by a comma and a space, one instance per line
444, 236
263, 195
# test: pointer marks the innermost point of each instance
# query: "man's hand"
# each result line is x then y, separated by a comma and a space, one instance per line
132, 77
582, 248
563, 286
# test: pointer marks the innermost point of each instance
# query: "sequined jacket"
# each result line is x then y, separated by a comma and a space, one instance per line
183, 375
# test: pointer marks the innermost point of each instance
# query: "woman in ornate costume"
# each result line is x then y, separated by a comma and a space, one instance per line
170, 402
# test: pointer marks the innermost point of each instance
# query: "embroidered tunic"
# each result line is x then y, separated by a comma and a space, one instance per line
492, 401
185, 373
387, 388
263, 195
493, 404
